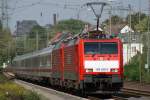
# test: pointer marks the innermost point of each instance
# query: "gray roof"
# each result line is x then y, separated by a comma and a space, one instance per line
131, 37
24, 27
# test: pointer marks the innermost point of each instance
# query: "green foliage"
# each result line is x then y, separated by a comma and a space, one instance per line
135, 66
30, 95
11, 91
135, 18
7, 46
1, 27
28, 42
37, 30
71, 25
39, 34
115, 19
143, 25
131, 70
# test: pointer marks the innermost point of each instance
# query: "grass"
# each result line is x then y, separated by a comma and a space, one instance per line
12, 91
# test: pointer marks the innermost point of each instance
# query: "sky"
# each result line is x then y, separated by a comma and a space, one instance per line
42, 10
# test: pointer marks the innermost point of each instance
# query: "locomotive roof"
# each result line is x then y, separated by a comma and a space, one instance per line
34, 54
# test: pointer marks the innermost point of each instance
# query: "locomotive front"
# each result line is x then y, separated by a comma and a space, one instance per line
103, 65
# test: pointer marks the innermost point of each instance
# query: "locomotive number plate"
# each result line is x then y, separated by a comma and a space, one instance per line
102, 69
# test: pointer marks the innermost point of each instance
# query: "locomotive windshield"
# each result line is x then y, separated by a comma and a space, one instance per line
100, 48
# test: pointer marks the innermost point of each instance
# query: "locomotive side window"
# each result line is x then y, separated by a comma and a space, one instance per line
100, 48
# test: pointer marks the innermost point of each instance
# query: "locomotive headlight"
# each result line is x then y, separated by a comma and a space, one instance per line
89, 70
114, 70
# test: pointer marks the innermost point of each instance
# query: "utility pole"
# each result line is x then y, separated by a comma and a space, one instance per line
25, 44
139, 11
4, 13
37, 40
148, 37
110, 20
129, 36
54, 18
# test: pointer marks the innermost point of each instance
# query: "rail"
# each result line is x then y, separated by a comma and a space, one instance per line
135, 91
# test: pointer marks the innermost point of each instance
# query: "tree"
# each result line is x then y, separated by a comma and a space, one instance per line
135, 18
1, 27
114, 20
7, 46
143, 25
37, 34
72, 25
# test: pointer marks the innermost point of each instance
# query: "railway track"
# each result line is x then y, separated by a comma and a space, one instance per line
119, 98
135, 92
112, 98
66, 96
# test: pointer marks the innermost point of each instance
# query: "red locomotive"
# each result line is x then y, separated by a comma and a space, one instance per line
88, 63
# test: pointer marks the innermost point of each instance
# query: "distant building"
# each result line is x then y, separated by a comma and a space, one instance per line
126, 29
130, 50
24, 27
47, 26
131, 45
115, 29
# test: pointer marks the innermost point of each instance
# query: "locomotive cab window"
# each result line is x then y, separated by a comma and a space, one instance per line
100, 48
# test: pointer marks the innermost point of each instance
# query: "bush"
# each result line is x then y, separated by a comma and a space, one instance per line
30, 95
131, 70
12, 91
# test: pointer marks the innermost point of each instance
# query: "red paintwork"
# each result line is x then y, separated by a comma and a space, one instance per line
71, 59
118, 56
57, 61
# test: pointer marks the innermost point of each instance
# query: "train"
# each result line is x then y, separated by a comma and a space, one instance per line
90, 62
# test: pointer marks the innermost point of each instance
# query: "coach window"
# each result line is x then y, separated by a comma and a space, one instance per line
22, 63
30, 62
35, 62
48, 61
41, 62
38, 61
14, 64
27, 63
45, 60
19, 63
